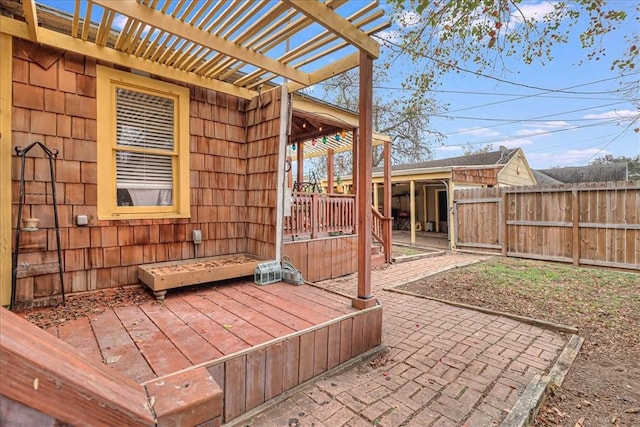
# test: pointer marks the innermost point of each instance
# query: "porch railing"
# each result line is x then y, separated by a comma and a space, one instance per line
381, 231
315, 213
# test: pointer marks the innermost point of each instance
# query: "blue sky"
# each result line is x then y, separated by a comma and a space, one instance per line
554, 129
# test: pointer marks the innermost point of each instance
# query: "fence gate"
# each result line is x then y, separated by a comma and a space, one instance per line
477, 215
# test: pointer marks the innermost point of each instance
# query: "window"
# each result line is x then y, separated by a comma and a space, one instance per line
143, 147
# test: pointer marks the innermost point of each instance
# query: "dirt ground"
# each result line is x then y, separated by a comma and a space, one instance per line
603, 385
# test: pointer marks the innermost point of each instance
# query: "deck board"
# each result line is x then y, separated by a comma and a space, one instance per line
295, 306
284, 317
161, 353
257, 319
117, 347
305, 297
234, 324
315, 295
223, 340
190, 343
80, 335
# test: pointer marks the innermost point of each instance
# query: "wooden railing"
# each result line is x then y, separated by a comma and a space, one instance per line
315, 213
44, 379
381, 231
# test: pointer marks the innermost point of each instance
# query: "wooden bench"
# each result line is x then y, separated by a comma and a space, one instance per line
162, 276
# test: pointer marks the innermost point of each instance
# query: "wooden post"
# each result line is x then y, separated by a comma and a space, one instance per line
314, 215
330, 171
575, 217
412, 210
6, 102
300, 174
354, 176
387, 233
450, 225
364, 298
354, 166
376, 202
504, 234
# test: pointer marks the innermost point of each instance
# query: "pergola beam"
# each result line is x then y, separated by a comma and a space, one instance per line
335, 23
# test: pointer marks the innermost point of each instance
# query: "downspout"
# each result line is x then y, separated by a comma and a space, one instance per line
285, 129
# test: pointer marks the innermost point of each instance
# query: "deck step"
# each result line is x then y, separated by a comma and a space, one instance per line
378, 260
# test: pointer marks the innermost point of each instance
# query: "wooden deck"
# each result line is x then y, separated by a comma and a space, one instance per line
255, 341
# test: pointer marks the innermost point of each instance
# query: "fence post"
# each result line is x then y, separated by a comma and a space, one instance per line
504, 212
314, 215
575, 217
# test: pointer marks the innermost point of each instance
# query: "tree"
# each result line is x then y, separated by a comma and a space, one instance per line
633, 164
470, 149
447, 35
406, 122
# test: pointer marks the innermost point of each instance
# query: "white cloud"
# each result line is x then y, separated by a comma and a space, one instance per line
623, 115
390, 36
515, 142
482, 132
409, 19
528, 11
533, 132
566, 158
449, 148
552, 124
119, 21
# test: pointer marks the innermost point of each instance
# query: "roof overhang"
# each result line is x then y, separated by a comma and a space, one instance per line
229, 45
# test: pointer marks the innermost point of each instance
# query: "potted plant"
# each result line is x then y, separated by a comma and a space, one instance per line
339, 188
30, 224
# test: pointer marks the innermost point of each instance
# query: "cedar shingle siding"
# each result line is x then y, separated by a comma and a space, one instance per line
232, 192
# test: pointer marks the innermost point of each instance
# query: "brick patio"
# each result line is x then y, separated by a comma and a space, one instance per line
447, 366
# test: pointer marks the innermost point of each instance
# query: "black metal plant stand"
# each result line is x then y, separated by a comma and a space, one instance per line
51, 155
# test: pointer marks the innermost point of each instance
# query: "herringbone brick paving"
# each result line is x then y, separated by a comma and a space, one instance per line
445, 366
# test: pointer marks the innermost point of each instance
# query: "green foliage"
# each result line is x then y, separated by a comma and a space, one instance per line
469, 149
441, 36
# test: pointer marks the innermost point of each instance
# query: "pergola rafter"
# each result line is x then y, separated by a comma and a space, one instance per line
236, 45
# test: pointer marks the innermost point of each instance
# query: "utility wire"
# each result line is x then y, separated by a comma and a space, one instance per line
553, 131
542, 118
622, 132
487, 76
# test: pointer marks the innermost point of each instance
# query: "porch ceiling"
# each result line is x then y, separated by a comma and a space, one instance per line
235, 46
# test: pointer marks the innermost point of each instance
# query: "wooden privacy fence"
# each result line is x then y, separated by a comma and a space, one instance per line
314, 213
585, 224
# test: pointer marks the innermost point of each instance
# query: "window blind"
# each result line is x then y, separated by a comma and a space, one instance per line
144, 121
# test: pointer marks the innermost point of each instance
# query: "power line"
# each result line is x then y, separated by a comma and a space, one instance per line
509, 138
543, 118
622, 132
487, 76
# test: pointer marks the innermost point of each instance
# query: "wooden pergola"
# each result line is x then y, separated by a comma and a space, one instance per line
233, 46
